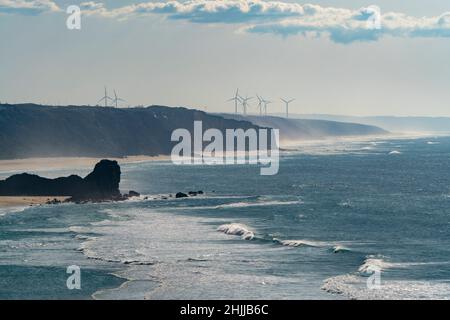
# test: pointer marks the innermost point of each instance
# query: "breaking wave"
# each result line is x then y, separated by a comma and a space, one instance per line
371, 264
237, 229
316, 244
300, 243
355, 285
255, 204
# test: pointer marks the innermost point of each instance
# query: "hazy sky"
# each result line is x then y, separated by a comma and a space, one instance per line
197, 53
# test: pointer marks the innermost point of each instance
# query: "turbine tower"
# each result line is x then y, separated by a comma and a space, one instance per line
265, 106
287, 105
236, 100
106, 97
116, 99
260, 104
244, 102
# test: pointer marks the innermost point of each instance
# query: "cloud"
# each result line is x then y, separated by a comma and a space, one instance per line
282, 18
27, 7
266, 17
346, 26
208, 11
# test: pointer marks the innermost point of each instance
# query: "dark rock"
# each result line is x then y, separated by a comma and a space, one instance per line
54, 201
103, 182
192, 193
133, 194
200, 192
181, 195
100, 185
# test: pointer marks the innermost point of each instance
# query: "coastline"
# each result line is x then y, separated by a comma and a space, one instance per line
33, 164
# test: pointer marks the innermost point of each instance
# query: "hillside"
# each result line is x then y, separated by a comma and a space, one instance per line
395, 124
30, 130
305, 129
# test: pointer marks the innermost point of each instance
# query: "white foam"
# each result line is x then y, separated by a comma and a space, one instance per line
371, 264
256, 204
355, 287
395, 152
345, 204
336, 247
339, 248
301, 243
8, 210
238, 230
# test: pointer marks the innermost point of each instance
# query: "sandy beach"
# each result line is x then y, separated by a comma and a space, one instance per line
6, 201
33, 164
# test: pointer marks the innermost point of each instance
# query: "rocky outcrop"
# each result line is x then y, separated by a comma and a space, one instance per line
181, 195
100, 185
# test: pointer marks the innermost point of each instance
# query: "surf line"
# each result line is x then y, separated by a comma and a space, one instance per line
254, 144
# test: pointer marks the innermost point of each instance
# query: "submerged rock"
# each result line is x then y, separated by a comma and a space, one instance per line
181, 195
133, 194
195, 193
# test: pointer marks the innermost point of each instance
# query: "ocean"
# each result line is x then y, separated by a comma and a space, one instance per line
334, 213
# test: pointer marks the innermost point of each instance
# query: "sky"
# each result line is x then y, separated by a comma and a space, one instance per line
196, 53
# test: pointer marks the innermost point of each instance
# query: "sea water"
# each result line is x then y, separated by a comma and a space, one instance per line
334, 213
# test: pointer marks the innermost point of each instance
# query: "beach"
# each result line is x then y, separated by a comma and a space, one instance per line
57, 163
20, 201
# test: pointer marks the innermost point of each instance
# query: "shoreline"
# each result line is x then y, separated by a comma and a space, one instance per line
61, 163
57, 163
22, 201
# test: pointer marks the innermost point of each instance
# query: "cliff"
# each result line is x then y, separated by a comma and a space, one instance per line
29, 130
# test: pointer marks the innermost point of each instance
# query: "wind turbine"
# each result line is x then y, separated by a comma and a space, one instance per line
260, 104
287, 105
245, 103
236, 99
106, 97
265, 106
116, 99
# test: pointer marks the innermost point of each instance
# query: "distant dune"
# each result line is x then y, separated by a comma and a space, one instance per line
395, 124
301, 129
